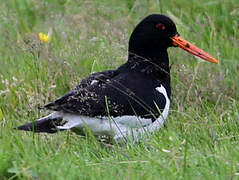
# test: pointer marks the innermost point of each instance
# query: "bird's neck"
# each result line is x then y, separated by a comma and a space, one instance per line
155, 66
157, 63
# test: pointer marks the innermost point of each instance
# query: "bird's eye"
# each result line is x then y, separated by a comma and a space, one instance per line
160, 26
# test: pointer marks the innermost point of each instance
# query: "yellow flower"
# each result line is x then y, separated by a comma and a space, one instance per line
44, 37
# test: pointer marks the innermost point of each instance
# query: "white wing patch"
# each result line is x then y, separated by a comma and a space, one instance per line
117, 127
136, 133
93, 82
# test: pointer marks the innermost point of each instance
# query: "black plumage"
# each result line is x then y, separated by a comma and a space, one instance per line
130, 89
123, 95
127, 90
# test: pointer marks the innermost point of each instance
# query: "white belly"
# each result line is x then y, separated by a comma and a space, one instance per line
117, 127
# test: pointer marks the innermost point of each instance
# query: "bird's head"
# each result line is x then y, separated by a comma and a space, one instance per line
155, 33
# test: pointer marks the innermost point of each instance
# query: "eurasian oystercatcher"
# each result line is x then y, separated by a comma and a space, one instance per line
128, 101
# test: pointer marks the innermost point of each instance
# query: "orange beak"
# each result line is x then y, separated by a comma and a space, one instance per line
187, 46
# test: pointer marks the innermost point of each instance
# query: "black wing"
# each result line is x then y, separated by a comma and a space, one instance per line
113, 93
98, 76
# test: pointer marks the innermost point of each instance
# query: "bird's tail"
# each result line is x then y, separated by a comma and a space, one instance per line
47, 124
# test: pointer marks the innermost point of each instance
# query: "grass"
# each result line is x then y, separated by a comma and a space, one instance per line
200, 139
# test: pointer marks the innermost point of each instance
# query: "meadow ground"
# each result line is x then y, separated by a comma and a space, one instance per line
200, 139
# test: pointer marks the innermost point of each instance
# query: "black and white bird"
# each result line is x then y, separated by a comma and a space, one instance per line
129, 101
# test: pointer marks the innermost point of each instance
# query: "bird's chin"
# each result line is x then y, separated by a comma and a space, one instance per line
169, 43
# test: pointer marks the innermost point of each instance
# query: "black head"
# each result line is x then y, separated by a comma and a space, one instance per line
148, 47
152, 36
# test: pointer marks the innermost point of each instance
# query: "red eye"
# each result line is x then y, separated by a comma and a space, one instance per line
160, 26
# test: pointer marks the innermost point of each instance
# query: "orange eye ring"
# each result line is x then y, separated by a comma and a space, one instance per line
160, 26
